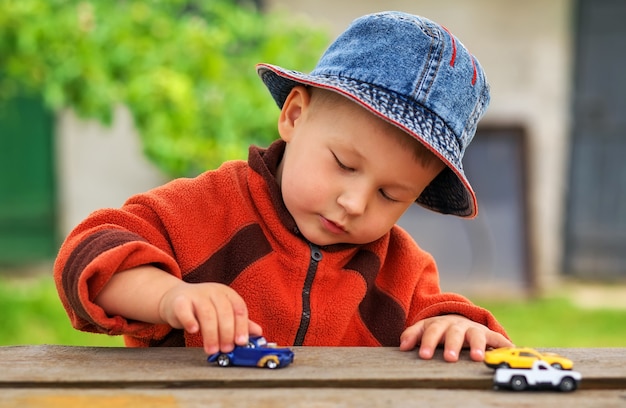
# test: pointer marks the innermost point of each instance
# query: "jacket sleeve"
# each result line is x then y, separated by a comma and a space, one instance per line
428, 300
107, 242
142, 232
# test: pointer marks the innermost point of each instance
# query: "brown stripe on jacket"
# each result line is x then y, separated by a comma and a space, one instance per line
382, 315
90, 248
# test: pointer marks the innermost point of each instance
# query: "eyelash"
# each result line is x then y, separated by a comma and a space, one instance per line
386, 197
346, 168
341, 165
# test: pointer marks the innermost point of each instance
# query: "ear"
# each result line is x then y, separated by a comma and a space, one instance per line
294, 107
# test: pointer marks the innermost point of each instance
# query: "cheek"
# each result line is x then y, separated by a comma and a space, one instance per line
302, 185
379, 222
379, 225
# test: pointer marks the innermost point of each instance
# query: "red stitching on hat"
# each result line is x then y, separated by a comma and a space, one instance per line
475, 72
453, 59
453, 46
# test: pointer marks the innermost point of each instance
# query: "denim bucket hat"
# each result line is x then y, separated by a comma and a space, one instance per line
415, 74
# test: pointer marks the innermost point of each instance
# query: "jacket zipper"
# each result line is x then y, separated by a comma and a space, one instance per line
316, 257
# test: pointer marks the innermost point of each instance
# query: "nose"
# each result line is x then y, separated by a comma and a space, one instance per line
353, 201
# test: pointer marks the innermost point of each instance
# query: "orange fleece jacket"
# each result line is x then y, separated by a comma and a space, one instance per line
230, 226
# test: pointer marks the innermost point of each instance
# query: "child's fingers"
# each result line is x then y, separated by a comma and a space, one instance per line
183, 315
433, 335
454, 332
240, 320
411, 336
477, 340
495, 340
454, 340
254, 328
225, 318
208, 320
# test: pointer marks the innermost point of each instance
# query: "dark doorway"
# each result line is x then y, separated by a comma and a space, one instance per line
489, 254
27, 199
596, 206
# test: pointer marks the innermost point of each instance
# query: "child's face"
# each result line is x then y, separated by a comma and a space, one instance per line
346, 177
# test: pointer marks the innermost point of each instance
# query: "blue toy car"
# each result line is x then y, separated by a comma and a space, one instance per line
258, 352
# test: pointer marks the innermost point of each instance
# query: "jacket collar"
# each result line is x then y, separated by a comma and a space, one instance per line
265, 162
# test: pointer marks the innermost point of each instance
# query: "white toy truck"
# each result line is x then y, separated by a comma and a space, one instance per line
541, 375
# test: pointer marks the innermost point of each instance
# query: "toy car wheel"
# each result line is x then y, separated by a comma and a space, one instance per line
558, 366
518, 383
223, 360
503, 365
271, 363
567, 384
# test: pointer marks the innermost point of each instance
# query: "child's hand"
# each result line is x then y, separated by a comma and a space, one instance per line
214, 309
454, 332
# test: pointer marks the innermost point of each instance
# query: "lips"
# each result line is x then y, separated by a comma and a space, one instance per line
332, 227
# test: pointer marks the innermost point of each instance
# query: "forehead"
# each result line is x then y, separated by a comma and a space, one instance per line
332, 102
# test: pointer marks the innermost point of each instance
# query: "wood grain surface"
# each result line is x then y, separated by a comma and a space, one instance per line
63, 376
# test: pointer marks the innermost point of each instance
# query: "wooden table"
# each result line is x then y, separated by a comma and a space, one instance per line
60, 376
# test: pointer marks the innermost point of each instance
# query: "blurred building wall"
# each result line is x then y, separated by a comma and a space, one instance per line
98, 166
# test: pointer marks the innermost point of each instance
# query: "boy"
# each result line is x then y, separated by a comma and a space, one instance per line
300, 242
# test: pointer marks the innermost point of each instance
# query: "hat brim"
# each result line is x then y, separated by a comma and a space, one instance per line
450, 192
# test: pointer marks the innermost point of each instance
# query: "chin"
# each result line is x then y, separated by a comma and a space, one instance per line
320, 241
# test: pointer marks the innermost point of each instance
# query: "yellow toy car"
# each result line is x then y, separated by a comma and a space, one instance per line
523, 357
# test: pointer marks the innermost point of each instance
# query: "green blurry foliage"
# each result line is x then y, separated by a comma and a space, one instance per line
185, 69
